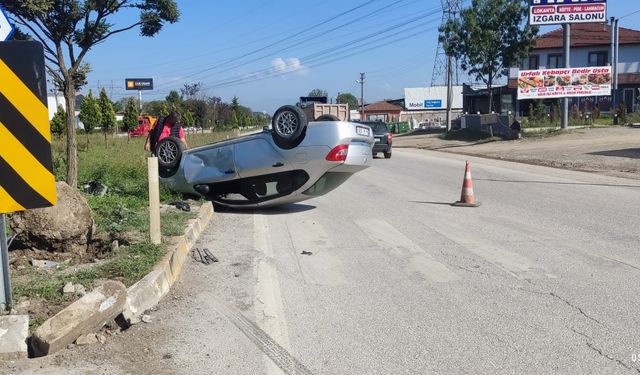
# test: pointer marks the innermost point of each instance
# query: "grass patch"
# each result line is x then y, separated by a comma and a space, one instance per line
121, 164
128, 265
467, 135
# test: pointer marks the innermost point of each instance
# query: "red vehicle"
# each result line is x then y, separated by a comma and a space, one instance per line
145, 124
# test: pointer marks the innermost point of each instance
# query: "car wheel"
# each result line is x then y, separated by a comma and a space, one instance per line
387, 155
169, 152
328, 118
289, 125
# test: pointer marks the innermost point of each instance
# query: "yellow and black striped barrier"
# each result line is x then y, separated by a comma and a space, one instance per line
26, 170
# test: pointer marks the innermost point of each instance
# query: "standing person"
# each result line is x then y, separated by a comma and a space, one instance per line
165, 127
515, 130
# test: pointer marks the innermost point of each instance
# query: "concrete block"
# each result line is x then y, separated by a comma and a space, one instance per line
86, 315
144, 295
14, 330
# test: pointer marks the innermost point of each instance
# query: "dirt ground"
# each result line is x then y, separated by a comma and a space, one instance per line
614, 151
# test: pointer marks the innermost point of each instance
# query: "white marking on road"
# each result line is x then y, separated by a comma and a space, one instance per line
402, 247
512, 263
322, 267
268, 305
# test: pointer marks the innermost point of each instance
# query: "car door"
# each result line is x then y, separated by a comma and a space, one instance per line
257, 157
210, 165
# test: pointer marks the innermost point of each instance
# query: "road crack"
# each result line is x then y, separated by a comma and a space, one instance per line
580, 333
621, 363
576, 308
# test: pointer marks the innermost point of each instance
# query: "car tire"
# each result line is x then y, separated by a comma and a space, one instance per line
328, 118
387, 155
289, 126
169, 152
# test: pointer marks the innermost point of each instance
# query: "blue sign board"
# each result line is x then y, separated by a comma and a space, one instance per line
433, 103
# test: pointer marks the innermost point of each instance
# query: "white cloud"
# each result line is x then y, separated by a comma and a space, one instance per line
290, 65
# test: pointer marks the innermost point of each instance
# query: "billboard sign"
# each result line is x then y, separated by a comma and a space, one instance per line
553, 12
420, 98
138, 84
562, 83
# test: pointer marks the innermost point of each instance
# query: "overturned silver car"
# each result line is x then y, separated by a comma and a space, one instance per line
294, 161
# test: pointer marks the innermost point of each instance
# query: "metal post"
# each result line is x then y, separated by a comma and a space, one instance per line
567, 64
612, 63
362, 97
449, 90
617, 52
140, 99
5, 279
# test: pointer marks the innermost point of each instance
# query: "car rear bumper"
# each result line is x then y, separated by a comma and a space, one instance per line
381, 147
358, 158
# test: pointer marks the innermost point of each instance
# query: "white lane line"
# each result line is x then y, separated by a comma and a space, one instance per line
323, 267
415, 258
269, 309
512, 263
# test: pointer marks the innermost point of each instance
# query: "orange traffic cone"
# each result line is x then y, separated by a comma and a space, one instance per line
467, 199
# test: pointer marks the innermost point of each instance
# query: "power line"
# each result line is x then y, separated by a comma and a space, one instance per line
322, 34
630, 14
332, 51
323, 22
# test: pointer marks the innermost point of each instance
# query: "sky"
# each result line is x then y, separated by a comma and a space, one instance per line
268, 53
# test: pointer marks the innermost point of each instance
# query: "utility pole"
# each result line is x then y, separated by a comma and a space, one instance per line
567, 64
361, 81
449, 82
614, 67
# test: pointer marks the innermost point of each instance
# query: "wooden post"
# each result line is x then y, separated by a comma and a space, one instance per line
154, 200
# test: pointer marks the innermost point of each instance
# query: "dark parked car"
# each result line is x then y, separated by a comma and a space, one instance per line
383, 138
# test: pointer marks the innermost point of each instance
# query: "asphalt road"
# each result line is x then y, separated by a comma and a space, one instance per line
543, 278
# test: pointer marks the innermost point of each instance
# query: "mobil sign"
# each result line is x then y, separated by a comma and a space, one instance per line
552, 12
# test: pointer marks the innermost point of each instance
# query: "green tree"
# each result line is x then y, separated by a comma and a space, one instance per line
90, 114
318, 92
174, 101
234, 120
235, 115
108, 122
187, 119
130, 118
68, 29
58, 122
490, 37
347, 98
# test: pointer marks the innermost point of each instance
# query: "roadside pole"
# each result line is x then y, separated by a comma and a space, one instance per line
154, 200
616, 56
449, 89
567, 64
361, 97
140, 99
612, 62
5, 280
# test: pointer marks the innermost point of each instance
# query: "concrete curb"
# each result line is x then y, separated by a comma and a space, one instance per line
142, 296
147, 293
